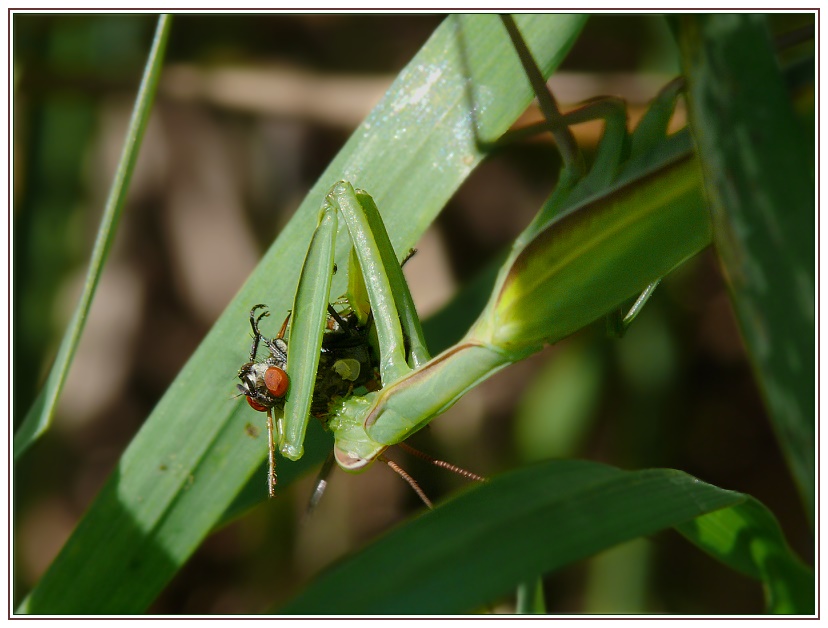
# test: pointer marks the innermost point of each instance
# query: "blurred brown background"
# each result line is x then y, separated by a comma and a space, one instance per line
250, 110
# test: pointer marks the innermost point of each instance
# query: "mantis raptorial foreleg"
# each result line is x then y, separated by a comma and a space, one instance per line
334, 353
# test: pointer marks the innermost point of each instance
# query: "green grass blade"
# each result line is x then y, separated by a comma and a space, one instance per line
478, 547
758, 171
193, 456
530, 598
42, 410
747, 538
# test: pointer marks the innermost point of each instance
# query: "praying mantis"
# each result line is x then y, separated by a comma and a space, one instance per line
604, 236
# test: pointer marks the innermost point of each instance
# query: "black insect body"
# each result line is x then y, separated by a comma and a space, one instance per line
346, 361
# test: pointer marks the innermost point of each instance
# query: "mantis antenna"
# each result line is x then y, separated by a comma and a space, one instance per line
322, 478
411, 481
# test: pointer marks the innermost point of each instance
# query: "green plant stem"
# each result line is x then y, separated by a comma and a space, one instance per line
42, 410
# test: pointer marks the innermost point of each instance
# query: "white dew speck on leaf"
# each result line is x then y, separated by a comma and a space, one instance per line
418, 95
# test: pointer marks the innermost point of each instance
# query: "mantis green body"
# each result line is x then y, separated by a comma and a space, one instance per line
604, 236
579, 267
601, 239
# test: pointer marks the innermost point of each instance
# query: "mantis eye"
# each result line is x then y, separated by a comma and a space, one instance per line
276, 381
256, 405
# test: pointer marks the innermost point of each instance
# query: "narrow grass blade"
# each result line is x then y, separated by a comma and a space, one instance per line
758, 171
40, 414
478, 547
530, 598
193, 456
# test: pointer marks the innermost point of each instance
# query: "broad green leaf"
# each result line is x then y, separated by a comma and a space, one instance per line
43, 408
193, 457
527, 522
759, 176
747, 538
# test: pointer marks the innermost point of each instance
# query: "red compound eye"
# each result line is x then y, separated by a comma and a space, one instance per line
276, 381
256, 405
